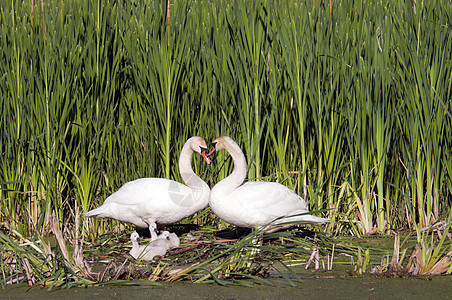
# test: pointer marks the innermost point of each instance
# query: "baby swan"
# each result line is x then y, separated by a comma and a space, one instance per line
157, 247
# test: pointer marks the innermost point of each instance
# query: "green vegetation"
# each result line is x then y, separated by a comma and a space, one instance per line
349, 105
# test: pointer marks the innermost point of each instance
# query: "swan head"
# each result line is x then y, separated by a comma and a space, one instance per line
135, 237
199, 145
221, 143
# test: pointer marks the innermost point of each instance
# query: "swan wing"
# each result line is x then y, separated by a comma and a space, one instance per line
263, 202
148, 200
146, 190
258, 195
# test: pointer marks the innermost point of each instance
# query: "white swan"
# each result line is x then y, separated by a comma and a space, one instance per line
147, 202
254, 204
158, 247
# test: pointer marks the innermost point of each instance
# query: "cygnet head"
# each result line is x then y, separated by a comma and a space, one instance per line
165, 235
199, 145
135, 237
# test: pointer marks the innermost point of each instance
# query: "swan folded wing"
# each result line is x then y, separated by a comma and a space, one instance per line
169, 207
145, 190
267, 201
148, 200
263, 194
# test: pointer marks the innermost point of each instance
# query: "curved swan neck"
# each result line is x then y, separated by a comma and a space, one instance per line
238, 175
186, 171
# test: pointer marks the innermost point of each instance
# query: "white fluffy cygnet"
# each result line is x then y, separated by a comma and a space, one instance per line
157, 247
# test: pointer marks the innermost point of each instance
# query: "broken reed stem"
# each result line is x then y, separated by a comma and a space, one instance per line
43, 23
59, 237
118, 273
330, 263
317, 262
168, 11
30, 278
182, 272
314, 257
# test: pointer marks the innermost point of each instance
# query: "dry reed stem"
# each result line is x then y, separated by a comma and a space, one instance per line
118, 273
15, 280
196, 245
61, 242
330, 262
101, 275
181, 272
314, 257
81, 264
416, 267
43, 22
30, 278
441, 266
317, 262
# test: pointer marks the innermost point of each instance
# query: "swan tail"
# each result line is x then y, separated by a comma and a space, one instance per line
97, 212
306, 218
314, 219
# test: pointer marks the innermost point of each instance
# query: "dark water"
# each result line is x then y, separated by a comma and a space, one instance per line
320, 286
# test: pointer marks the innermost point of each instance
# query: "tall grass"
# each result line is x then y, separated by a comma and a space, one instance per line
350, 107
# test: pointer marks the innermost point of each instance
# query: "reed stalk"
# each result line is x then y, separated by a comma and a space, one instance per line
349, 105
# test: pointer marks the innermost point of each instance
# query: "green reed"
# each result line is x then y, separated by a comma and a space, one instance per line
350, 107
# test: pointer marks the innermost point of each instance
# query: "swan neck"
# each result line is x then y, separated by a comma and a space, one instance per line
238, 175
186, 171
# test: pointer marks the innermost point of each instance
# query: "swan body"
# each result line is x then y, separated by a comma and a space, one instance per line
158, 247
146, 202
265, 205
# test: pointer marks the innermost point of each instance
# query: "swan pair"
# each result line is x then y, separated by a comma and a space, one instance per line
158, 247
150, 201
